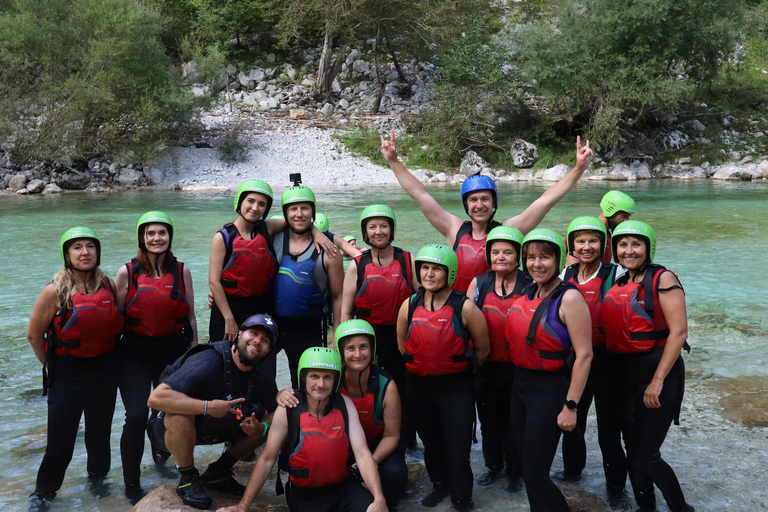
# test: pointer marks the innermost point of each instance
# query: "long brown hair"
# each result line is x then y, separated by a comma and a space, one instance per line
65, 285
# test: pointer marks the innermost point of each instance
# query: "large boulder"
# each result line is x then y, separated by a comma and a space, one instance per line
555, 173
66, 176
472, 163
675, 140
190, 72
524, 154
35, 186
17, 182
732, 172
762, 170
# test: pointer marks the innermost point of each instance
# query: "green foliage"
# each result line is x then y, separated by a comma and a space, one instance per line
612, 65
211, 62
232, 147
86, 77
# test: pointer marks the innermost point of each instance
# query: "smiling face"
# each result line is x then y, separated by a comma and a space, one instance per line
357, 352
253, 344
299, 216
378, 231
540, 261
82, 254
157, 238
253, 206
503, 257
480, 205
434, 277
586, 246
631, 252
319, 383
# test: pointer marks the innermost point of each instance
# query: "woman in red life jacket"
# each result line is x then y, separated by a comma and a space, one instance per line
436, 328
494, 292
72, 330
377, 283
587, 239
155, 293
547, 328
646, 326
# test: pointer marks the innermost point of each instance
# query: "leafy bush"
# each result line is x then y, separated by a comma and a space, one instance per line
232, 147
86, 77
613, 65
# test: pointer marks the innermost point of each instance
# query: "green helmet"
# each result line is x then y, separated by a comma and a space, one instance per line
551, 237
587, 223
321, 222
503, 234
77, 233
258, 186
352, 328
616, 201
320, 358
440, 254
639, 229
378, 210
154, 217
349, 238
298, 194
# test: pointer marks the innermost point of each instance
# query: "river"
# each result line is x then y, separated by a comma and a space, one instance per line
711, 233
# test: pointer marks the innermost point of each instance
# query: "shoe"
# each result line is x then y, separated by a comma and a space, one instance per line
618, 499
568, 476
515, 484
463, 504
40, 502
134, 493
191, 490
223, 481
436, 497
489, 478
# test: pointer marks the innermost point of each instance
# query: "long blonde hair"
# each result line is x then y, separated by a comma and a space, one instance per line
65, 285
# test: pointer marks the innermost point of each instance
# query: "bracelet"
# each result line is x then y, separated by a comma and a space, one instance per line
205, 407
266, 428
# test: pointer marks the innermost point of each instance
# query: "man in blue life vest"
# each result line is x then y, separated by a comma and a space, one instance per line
320, 465
215, 393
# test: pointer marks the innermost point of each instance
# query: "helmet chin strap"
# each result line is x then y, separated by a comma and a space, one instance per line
378, 250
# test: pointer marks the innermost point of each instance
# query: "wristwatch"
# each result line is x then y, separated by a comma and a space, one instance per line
571, 405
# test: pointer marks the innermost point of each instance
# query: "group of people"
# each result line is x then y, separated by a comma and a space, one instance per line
505, 321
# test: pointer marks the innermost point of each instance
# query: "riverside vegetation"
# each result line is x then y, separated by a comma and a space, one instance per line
93, 88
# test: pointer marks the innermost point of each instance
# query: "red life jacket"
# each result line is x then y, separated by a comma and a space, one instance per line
382, 290
249, 265
608, 251
471, 255
316, 452
594, 292
90, 327
632, 323
155, 307
437, 343
370, 406
531, 330
495, 308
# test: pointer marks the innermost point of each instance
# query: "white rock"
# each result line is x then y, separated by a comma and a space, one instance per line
271, 58
731, 172
439, 177
420, 174
472, 163
22, 192
675, 140
35, 186
52, 188
458, 178
327, 109
256, 75
17, 183
360, 66
684, 160
555, 173
524, 154
343, 103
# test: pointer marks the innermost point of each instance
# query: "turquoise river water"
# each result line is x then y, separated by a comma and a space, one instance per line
712, 234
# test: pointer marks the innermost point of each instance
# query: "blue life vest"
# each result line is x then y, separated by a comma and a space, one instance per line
298, 290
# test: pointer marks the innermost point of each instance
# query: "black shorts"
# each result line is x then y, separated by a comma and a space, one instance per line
210, 430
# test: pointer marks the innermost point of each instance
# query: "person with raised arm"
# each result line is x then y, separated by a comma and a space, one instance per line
480, 199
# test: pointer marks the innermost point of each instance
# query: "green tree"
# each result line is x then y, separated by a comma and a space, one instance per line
86, 77
610, 65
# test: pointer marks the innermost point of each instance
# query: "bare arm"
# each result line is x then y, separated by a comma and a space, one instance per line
472, 290
43, 311
350, 292
189, 295
278, 431
335, 269
121, 289
575, 313
365, 463
446, 223
392, 420
478, 330
164, 398
402, 325
672, 304
215, 268
535, 213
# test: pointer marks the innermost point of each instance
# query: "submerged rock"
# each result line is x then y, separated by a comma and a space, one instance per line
747, 400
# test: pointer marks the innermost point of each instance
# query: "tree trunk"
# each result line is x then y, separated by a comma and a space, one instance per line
329, 67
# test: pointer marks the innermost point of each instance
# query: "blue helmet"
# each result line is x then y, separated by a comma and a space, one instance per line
475, 183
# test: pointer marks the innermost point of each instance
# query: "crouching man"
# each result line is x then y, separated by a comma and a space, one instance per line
215, 393
319, 466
